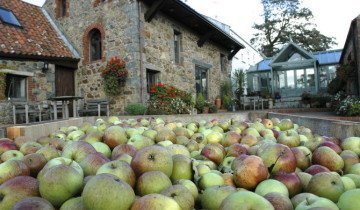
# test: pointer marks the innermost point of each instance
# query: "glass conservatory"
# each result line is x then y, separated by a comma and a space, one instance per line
293, 71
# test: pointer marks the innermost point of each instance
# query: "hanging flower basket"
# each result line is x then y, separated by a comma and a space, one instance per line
115, 75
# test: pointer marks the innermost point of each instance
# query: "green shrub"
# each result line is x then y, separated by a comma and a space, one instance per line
135, 109
350, 106
212, 108
226, 102
200, 102
335, 86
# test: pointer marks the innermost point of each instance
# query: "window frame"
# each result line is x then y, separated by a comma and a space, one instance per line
177, 40
202, 70
21, 78
8, 23
152, 73
91, 47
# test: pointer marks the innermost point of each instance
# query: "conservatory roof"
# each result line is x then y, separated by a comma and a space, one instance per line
323, 58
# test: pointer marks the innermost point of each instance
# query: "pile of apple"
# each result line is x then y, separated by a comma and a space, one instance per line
151, 164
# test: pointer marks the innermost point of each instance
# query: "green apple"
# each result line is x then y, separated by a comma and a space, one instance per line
289, 138
114, 135
316, 203
49, 152
190, 186
102, 148
349, 184
120, 169
350, 200
246, 200
152, 182
155, 202
210, 179
301, 197
73, 203
351, 143
60, 183
11, 154
181, 195
106, 191
182, 168
178, 149
271, 185
326, 184
13, 168
212, 197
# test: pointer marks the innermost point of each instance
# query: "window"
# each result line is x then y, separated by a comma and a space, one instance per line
152, 78
63, 8
222, 62
256, 83
300, 78
95, 45
177, 46
15, 87
290, 76
281, 75
323, 76
201, 81
8, 17
310, 76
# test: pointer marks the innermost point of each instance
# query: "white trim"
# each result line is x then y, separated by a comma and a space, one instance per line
14, 72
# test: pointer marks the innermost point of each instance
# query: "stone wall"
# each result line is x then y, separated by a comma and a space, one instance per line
143, 45
41, 85
5, 113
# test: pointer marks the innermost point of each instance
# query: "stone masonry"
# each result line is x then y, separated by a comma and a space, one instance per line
143, 45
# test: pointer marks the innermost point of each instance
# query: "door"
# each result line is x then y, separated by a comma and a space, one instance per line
65, 83
201, 80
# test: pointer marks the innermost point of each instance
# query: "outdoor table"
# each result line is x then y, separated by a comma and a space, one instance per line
64, 103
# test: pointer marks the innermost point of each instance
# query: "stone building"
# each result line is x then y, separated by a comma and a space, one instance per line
162, 41
351, 52
33, 57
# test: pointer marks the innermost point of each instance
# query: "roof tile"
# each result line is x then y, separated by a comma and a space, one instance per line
36, 37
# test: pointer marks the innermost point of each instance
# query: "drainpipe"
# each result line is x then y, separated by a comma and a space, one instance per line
141, 54
356, 56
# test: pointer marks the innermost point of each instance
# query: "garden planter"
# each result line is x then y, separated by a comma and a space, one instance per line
206, 110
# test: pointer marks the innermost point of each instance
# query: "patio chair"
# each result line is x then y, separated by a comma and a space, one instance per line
244, 102
25, 112
95, 106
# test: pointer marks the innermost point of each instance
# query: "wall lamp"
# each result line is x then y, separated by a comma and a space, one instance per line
45, 68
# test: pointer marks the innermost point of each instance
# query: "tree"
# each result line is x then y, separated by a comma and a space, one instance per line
240, 78
285, 20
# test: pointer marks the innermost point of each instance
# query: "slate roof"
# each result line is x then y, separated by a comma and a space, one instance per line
36, 37
323, 58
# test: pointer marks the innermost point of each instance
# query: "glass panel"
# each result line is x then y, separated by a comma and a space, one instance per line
177, 46
95, 45
290, 79
8, 17
281, 79
310, 76
152, 78
331, 72
15, 86
63, 8
296, 57
323, 76
201, 81
256, 82
300, 78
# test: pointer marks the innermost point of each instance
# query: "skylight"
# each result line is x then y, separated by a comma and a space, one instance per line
8, 17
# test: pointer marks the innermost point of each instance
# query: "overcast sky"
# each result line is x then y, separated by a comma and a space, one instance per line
332, 17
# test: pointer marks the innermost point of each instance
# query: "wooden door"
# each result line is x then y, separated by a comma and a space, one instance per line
65, 83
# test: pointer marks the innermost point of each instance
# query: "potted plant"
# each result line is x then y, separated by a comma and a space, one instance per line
115, 75
218, 102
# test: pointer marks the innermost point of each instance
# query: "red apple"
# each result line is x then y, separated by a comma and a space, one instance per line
92, 162
123, 149
303, 160
6, 144
230, 138
314, 169
250, 172
35, 162
291, 181
213, 152
237, 149
332, 146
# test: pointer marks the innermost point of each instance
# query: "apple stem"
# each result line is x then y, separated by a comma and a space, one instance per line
273, 165
307, 201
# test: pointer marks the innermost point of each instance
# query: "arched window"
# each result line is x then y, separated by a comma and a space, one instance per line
95, 48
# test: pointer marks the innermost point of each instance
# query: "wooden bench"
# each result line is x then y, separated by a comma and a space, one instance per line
95, 106
27, 112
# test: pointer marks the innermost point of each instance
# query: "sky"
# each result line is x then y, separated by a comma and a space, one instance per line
332, 17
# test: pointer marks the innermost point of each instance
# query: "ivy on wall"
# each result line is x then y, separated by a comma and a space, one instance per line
2, 86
